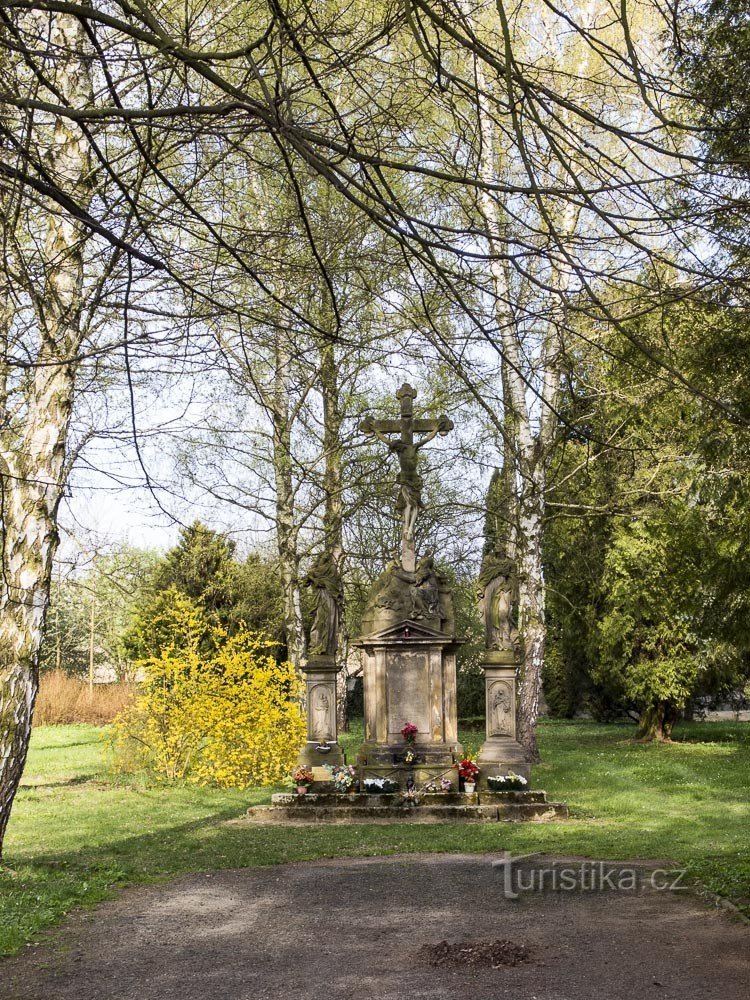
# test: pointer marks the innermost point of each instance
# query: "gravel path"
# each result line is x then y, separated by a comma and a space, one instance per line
355, 929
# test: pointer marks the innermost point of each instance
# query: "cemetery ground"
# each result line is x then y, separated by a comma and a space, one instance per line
79, 832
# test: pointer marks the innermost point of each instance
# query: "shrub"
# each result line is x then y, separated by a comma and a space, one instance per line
65, 700
230, 716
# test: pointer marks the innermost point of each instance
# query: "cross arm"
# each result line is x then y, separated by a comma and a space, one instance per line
380, 429
440, 426
371, 426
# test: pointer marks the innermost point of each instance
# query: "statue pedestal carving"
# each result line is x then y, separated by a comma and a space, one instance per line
322, 746
501, 752
409, 674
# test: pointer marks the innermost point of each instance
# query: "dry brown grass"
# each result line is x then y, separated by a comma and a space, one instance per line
63, 700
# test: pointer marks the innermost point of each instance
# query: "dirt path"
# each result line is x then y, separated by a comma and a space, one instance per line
356, 929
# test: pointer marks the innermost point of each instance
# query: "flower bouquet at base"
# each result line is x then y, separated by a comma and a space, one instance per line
344, 778
409, 732
467, 772
380, 786
302, 778
510, 782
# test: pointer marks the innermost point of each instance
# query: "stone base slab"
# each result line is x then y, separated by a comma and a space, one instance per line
501, 755
431, 808
432, 754
421, 773
310, 756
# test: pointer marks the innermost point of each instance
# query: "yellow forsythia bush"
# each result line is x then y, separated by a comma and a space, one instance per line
229, 716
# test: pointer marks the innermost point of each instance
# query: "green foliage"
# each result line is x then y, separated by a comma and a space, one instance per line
469, 628
714, 56
687, 802
202, 567
648, 638
648, 544
231, 717
497, 517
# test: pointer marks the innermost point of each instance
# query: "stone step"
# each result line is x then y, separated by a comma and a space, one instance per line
343, 811
517, 796
363, 800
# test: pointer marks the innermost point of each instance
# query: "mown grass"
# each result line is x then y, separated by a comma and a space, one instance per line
77, 832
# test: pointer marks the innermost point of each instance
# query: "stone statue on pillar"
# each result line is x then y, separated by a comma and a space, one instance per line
498, 585
324, 577
498, 600
320, 669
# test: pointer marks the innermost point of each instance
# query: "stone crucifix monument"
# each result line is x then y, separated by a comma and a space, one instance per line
408, 633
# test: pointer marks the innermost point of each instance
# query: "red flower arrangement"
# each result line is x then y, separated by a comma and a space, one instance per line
467, 770
409, 732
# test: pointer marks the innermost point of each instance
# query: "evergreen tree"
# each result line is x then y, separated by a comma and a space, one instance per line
201, 566
649, 533
497, 517
232, 595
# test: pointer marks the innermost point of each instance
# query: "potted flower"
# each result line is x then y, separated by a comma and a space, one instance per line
446, 785
344, 778
409, 733
468, 771
303, 778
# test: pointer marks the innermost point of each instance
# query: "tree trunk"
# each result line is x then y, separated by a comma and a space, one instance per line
333, 516
656, 723
33, 445
528, 435
531, 619
286, 527
34, 481
525, 449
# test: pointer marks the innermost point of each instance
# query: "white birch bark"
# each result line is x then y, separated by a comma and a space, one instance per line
33, 446
531, 443
287, 531
333, 515
527, 442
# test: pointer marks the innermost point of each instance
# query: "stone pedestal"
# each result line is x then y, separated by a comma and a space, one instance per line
321, 746
409, 672
501, 752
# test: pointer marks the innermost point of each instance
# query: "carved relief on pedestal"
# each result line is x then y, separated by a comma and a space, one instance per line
320, 706
500, 709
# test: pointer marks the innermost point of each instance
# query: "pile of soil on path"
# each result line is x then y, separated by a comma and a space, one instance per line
482, 953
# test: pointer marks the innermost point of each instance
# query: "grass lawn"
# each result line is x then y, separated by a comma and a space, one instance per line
77, 832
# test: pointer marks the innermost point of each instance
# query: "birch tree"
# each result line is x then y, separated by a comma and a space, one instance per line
532, 355
37, 397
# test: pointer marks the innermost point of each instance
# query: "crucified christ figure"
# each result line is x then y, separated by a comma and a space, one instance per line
409, 501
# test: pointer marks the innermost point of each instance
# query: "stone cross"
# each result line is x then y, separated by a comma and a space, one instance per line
406, 447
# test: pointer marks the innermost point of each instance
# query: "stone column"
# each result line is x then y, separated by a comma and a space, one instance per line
321, 746
501, 752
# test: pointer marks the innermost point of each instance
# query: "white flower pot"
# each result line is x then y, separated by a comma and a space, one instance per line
469, 787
